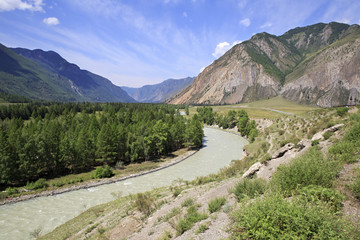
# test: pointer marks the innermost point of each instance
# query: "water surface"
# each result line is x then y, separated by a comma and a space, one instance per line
18, 220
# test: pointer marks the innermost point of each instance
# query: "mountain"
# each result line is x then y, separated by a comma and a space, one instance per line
41, 75
158, 92
317, 64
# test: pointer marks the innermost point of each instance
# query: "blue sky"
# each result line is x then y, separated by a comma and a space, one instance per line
138, 42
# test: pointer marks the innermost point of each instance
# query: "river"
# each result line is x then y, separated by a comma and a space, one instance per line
19, 220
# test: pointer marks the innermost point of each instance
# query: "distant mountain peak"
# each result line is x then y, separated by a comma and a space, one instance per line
160, 92
45, 75
316, 64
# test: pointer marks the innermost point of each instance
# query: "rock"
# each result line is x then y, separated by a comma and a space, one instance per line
266, 66
252, 170
281, 152
319, 136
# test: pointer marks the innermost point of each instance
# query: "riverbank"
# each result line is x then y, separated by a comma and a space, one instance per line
98, 182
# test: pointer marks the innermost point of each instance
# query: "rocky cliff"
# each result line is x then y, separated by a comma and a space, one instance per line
317, 64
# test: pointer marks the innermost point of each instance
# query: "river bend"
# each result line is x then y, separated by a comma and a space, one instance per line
18, 220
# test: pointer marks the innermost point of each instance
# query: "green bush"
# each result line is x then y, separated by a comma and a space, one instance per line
315, 142
355, 187
103, 172
191, 217
309, 169
249, 188
39, 184
12, 190
345, 152
144, 203
327, 135
216, 204
177, 191
353, 134
329, 196
202, 228
188, 202
276, 218
342, 111
175, 211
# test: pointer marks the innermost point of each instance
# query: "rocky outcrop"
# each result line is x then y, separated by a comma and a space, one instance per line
231, 79
320, 135
318, 64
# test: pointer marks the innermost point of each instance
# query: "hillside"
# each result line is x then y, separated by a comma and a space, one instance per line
41, 75
158, 92
316, 64
305, 186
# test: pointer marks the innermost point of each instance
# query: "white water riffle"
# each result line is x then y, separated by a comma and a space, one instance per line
18, 220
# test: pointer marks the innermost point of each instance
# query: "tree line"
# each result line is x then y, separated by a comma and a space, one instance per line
49, 140
239, 119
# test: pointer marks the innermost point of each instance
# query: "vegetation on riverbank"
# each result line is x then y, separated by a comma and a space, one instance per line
301, 200
48, 141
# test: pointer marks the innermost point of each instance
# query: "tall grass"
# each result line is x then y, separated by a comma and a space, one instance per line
249, 188
187, 222
309, 169
277, 218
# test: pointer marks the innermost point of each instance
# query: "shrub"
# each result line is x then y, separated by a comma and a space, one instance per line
329, 196
58, 184
276, 218
345, 152
103, 172
12, 190
188, 202
191, 217
355, 187
202, 228
309, 169
166, 236
144, 203
175, 211
249, 188
342, 111
216, 204
266, 158
353, 134
327, 135
315, 142
177, 191
39, 184
119, 165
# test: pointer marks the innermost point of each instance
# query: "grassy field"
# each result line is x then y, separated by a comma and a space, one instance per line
264, 108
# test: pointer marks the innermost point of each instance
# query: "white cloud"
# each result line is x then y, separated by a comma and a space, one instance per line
245, 22
31, 5
223, 47
51, 21
266, 25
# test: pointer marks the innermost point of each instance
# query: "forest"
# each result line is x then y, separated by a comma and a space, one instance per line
45, 140
239, 119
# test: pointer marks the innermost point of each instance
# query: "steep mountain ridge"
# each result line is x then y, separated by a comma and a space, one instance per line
158, 92
42, 75
317, 64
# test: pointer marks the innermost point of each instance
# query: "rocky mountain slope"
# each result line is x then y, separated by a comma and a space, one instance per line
317, 64
158, 92
41, 75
